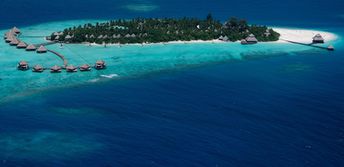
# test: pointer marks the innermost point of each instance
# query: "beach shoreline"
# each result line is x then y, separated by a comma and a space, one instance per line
287, 34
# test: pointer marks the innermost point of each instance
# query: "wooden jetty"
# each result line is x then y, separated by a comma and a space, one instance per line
330, 48
65, 62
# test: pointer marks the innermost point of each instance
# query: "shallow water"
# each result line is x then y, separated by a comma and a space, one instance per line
176, 104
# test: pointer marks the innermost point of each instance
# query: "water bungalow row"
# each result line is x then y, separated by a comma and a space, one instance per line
24, 66
11, 37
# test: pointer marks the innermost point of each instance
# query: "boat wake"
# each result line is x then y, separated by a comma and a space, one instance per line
94, 80
110, 76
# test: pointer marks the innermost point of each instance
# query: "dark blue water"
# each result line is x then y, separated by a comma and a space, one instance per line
286, 110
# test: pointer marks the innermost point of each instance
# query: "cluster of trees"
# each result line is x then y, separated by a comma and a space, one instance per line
152, 30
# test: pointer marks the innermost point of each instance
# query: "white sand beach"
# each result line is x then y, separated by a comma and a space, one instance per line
302, 35
295, 35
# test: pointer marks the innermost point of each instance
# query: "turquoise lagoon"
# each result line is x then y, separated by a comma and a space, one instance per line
123, 61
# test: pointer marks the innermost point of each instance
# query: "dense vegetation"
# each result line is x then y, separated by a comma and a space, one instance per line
152, 30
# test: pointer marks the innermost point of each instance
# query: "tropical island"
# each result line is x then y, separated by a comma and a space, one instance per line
155, 30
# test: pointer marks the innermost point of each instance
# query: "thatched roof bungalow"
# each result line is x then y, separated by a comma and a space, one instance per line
57, 38
8, 34
71, 68
243, 41
15, 30
42, 49
23, 66
31, 47
100, 64
21, 45
14, 42
251, 39
55, 69
38, 68
9, 39
318, 39
85, 67
68, 37
116, 36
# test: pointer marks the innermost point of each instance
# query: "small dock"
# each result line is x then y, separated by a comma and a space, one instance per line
306, 44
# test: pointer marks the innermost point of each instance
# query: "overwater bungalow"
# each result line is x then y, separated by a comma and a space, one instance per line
8, 34
85, 67
71, 68
330, 48
100, 64
42, 49
55, 69
38, 68
21, 45
9, 39
15, 30
31, 47
23, 66
318, 39
14, 42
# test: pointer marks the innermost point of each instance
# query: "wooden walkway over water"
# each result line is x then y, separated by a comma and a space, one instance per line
306, 44
65, 62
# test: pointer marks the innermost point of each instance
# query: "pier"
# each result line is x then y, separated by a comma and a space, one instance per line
12, 37
65, 62
308, 44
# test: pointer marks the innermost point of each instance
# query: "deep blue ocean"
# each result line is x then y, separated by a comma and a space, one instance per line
283, 110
